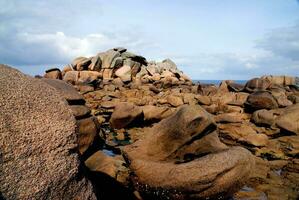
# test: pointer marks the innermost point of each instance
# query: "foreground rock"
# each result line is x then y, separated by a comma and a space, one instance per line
38, 142
180, 158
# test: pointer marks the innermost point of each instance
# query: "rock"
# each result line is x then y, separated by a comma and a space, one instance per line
174, 100
293, 98
281, 80
118, 82
80, 111
261, 100
124, 73
143, 71
257, 84
289, 119
235, 87
120, 49
85, 88
66, 68
124, 114
156, 77
258, 140
66, 91
239, 99
112, 166
81, 63
235, 131
189, 98
152, 69
71, 77
264, 117
38, 142
167, 65
96, 63
233, 117
154, 113
108, 57
207, 89
87, 77
107, 74
290, 145
280, 95
154, 163
87, 131
203, 100
53, 73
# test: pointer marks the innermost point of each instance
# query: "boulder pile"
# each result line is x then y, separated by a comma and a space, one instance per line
121, 64
174, 139
145, 131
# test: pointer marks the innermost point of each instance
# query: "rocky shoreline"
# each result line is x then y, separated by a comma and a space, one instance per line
145, 131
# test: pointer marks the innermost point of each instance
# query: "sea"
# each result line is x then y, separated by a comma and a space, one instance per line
217, 82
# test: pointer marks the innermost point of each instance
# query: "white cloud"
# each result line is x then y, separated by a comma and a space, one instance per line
52, 48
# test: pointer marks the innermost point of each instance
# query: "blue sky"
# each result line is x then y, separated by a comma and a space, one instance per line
209, 39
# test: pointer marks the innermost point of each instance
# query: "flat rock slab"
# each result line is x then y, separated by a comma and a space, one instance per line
37, 142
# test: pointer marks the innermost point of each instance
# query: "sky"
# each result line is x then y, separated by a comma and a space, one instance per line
207, 39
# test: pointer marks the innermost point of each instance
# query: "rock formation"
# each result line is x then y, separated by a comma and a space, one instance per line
37, 142
145, 131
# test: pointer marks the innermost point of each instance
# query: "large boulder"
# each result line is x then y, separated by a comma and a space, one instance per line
38, 141
180, 158
256, 84
124, 114
261, 100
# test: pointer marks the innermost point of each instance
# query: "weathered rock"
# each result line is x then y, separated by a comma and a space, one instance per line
261, 100
96, 63
66, 91
37, 139
258, 140
207, 89
289, 119
264, 117
280, 95
233, 117
112, 166
71, 77
108, 58
86, 77
87, 131
124, 73
154, 164
80, 111
53, 73
154, 113
257, 84
81, 63
280, 80
175, 100
203, 100
124, 114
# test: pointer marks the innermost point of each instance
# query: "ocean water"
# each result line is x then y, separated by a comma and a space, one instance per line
217, 82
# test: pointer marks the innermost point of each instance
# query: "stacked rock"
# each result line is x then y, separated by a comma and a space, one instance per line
121, 64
